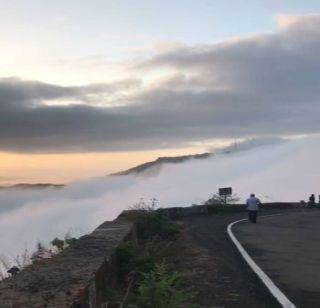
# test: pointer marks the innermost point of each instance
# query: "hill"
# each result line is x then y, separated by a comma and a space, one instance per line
26, 186
160, 161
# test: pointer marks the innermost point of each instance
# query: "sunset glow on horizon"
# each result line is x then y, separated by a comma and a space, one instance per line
87, 89
65, 168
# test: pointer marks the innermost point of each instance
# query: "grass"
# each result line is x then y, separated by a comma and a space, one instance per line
142, 269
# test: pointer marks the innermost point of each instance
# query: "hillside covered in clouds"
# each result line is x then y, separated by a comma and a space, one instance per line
275, 171
155, 165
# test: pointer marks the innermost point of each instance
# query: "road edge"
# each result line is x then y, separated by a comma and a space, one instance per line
273, 289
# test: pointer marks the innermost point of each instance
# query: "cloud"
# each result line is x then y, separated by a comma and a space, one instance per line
20, 93
262, 167
267, 84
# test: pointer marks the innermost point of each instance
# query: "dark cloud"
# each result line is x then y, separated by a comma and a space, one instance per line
264, 85
14, 91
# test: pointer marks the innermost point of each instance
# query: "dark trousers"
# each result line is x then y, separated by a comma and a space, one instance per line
253, 216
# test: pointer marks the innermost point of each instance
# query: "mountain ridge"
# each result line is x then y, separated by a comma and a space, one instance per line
26, 186
160, 161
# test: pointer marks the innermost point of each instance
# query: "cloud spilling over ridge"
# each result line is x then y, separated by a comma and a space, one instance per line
286, 171
267, 84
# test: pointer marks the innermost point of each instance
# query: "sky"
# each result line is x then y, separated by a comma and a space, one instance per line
106, 85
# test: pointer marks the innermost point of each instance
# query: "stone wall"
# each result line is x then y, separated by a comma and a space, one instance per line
177, 212
69, 279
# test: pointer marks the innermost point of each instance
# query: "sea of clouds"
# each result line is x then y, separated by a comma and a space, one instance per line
275, 171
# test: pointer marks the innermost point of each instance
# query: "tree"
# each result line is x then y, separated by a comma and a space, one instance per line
216, 199
58, 243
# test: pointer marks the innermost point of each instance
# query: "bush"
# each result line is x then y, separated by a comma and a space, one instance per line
221, 200
145, 206
161, 289
58, 243
155, 224
132, 258
70, 240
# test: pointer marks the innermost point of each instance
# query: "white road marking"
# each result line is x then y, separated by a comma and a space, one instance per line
275, 291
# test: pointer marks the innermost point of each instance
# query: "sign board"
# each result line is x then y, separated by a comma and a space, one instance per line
225, 191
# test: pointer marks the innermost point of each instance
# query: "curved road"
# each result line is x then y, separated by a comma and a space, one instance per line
214, 267
287, 248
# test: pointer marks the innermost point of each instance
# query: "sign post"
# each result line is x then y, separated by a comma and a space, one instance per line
225, 191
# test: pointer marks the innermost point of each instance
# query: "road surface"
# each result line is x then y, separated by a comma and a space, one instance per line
215, 268
287, 248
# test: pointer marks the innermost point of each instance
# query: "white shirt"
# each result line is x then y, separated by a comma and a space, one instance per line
253, 204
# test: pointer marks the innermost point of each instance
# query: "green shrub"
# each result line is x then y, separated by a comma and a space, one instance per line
161, 289
216, 199
58, 243
132, 258
155, 224
70, 240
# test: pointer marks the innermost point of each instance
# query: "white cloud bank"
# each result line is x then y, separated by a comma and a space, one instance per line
276, 172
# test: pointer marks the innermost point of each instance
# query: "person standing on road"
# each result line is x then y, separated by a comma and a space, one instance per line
253, 207
312, 201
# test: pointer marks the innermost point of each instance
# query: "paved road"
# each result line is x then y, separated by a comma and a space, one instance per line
287, 248
214, 266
